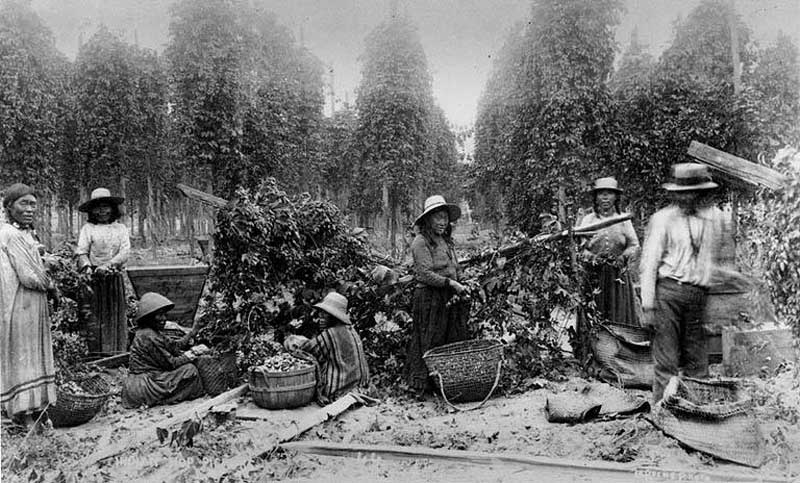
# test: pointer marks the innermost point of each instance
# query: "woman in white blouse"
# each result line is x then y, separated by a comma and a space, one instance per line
103, 248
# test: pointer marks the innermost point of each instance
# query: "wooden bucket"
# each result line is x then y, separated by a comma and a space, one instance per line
282, 390
183, 284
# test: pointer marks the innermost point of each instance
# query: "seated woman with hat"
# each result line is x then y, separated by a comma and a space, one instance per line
337, 350
103, 248
436, 272
160, 373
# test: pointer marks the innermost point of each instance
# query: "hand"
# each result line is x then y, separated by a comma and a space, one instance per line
86, 268
648, 318
589, 257
102, 269
55, 296
190, 355
294, 342
200, 349
458, 287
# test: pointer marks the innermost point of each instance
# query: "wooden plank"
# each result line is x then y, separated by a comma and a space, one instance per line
202, 196
750, 353
112, 362
737, 167
563, 467
149, 434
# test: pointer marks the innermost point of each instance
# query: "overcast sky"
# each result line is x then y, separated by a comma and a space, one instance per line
459, 36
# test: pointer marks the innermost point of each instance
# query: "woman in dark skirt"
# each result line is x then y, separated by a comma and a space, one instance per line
606, 258
103, 248
436, 275
160, 373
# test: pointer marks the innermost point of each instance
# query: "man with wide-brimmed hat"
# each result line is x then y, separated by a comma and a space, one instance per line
683, 248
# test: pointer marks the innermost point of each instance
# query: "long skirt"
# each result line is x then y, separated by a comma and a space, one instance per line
26, 355
616, 300
168, 387
107, 327
435, 324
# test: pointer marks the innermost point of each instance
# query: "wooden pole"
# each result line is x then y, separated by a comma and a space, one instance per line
737, 66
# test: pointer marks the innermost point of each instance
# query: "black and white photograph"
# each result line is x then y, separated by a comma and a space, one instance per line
400, 240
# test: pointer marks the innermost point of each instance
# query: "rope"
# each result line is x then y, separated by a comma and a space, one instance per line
491, 391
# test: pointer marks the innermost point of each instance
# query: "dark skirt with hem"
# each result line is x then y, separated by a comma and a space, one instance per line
168, 387
435, 324
616, 301
107, 327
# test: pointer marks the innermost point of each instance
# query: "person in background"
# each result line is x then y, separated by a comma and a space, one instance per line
160, 372
436, 273
685, 244
103, 249
26, 349
337, 350
607, 255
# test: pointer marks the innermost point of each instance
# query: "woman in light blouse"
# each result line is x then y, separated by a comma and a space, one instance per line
103, 249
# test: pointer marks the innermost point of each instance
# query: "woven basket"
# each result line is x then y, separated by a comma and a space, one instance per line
707, 399
466, 371
74, 409
218, 373
624, 355
712, 417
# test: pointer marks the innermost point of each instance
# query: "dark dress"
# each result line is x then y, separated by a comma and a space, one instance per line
159, 372
616, 300
435, 323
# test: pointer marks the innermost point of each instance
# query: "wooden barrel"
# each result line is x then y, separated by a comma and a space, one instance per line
282, 390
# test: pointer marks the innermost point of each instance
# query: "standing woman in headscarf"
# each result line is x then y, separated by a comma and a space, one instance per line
103, 248
26, 349
436, 275
606, 258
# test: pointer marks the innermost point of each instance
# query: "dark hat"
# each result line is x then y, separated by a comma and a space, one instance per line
151, 303
690, 177
99, 196
437, 201
15, 192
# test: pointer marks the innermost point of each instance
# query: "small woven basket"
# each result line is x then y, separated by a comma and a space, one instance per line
218, 373
465, 371
73, 409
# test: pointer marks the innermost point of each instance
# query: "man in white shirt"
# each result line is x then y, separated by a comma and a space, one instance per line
683, 250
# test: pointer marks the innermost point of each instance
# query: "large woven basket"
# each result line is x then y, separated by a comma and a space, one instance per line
466, 371
624, 355
711, 416
218, 373
74, 409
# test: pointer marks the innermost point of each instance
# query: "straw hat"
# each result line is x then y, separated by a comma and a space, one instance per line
437, 201
606, 184
690, 177
100, 195
335, 304
152, 302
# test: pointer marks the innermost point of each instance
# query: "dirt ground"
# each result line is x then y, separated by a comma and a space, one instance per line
224, 447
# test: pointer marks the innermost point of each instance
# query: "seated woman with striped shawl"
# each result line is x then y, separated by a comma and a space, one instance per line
337, 350
160, 373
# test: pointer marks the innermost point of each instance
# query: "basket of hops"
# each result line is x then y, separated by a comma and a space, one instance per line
466, 371
283, 381
78, 400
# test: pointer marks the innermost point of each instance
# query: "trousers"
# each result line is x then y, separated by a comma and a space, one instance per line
679, 343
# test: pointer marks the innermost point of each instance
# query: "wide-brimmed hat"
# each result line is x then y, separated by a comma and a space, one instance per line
151, 303
100, 195
435, 202
690, 177
608, 183
335, 304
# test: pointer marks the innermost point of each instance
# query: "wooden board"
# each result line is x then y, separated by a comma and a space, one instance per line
547, 469
202, 196
183, 284
737, 167
749, 353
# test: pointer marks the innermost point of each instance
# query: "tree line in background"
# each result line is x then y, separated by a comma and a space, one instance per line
555, 114
233, 100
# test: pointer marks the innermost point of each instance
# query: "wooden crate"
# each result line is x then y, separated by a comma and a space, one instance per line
183, 284
751, 352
